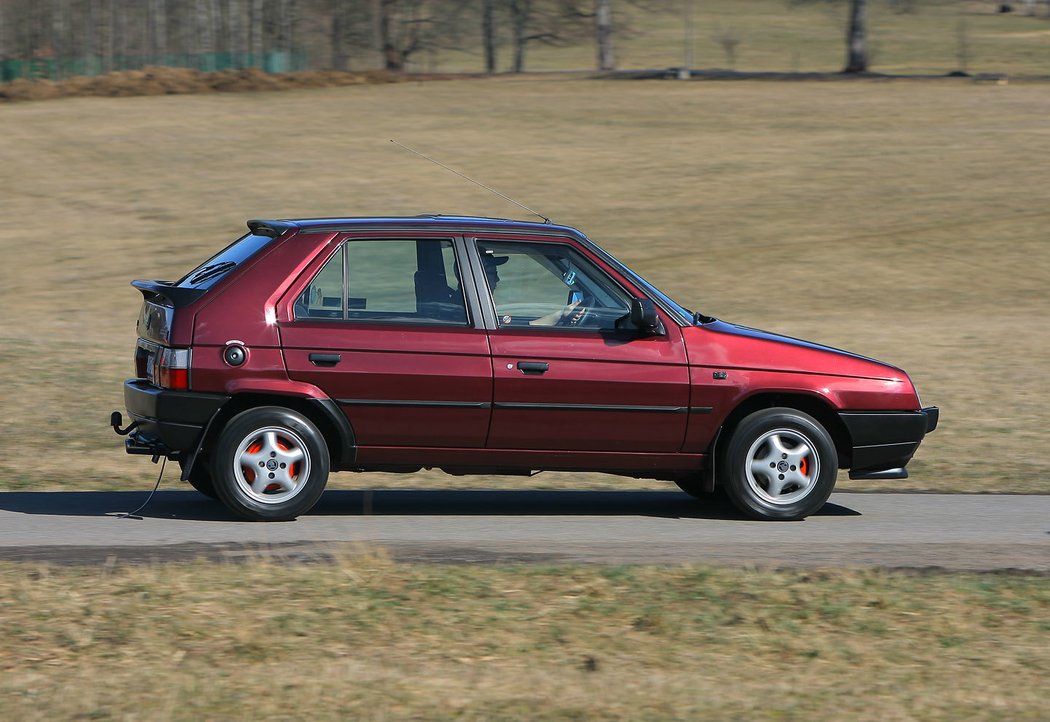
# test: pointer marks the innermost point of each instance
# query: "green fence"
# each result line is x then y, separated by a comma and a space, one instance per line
281, 61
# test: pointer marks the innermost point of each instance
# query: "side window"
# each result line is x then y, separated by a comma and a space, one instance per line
394, 281
550, 285
323, 298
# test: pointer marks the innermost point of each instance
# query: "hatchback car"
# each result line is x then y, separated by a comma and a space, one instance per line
486, 346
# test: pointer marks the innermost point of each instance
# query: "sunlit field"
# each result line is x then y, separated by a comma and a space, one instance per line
904, 221
365, 639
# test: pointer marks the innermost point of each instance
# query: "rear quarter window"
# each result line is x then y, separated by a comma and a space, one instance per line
215, 268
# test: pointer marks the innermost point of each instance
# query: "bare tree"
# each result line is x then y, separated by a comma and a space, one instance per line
488, 34
520, 10
403, 26
3, 38
348, 29
603, 35
857, 38
729, 39
552, 22
255, 31
337, 36
962, 44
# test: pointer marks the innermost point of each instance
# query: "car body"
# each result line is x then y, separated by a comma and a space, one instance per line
480, 346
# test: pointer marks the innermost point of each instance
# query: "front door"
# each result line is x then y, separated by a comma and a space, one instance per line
384, 330
570, 373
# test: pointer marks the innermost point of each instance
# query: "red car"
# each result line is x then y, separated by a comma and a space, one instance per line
484, 346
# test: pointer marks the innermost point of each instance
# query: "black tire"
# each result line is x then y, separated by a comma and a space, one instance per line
802, 459
200, 478
270, 464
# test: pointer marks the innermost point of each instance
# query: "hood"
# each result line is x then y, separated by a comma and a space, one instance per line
720, 343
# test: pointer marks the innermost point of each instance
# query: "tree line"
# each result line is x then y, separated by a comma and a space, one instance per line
337, 34
97, 36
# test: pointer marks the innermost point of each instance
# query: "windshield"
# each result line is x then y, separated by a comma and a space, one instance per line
668, 303
215, 268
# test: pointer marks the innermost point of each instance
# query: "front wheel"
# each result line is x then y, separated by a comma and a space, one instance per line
270, 464
780, 463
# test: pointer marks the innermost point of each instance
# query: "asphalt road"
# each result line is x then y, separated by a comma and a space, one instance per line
964, 532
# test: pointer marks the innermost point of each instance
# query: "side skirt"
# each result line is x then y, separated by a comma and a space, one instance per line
519, 461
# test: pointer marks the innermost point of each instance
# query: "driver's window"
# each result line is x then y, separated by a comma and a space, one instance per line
544, 285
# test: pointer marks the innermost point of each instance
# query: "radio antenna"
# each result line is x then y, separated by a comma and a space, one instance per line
477, 183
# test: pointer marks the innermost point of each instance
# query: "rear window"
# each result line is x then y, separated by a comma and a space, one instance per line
215, 268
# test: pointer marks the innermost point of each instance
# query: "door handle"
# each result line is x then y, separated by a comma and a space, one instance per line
325, 359
533, 367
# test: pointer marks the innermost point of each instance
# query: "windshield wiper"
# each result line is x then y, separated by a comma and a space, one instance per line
216, 269
701, 318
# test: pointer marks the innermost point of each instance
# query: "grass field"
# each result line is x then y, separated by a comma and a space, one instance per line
902, 220
366, 639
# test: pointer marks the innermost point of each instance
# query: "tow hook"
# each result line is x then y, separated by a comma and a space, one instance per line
116, 419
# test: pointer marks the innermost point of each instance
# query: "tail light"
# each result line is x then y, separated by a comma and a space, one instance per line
171, 368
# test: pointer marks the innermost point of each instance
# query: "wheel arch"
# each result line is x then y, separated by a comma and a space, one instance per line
325, 414
816, 407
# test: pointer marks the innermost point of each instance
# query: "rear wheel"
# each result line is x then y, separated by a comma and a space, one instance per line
270, 464
780, 463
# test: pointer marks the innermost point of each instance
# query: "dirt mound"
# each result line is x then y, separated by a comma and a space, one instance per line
155, 80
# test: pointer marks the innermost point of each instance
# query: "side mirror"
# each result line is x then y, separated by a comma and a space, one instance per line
644, 317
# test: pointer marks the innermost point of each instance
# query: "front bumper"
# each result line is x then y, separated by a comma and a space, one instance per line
886, 440
169, 422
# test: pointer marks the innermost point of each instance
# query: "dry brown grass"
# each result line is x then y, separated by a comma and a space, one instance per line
184, 81
366, 639
901, 220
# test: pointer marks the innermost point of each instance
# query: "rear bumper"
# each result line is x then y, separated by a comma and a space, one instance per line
168, 421
885, 440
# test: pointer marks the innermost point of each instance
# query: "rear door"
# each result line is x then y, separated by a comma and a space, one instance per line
384, 328
569, 371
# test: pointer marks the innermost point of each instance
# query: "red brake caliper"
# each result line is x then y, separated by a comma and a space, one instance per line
249, 472
803, 466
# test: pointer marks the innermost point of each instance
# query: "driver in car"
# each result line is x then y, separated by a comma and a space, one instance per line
571, 315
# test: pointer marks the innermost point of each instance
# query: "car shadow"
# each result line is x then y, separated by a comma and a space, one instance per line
192, 506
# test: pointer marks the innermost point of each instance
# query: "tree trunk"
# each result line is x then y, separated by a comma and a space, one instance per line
204, 30
59, 46
519, 12
857, 38
292, 36
160, 31
3, 38
256, 32
393, 59
603, 20
108, 18
488, 33
221, 30
337, 37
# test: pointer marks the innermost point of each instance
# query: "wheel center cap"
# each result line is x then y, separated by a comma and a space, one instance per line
782, 467
271, 465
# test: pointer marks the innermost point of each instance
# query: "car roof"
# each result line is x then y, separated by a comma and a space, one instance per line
427, 220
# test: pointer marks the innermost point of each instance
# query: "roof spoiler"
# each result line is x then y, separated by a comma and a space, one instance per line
271, 229
166, 293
